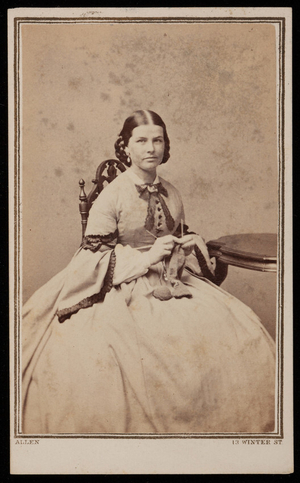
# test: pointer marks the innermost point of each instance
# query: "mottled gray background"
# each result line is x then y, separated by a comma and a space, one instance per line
215, 87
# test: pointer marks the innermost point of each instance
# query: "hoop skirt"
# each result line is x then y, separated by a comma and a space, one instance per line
101, 354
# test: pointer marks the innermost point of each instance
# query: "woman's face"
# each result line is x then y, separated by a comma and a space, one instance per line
146, 147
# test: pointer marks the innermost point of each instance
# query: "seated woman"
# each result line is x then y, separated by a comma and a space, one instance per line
118, 343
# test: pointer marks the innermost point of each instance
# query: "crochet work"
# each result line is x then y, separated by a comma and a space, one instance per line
200, 257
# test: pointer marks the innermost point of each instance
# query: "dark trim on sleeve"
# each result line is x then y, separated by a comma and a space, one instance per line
95, 242
65, 314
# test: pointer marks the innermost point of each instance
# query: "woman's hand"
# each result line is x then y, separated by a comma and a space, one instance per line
187, 243
162, 247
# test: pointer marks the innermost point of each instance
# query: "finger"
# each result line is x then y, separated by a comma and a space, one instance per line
188, 238
184, 239
188, 244
167, 238
170, 243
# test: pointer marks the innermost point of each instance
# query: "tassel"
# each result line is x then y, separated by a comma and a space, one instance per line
162, 292
180, 290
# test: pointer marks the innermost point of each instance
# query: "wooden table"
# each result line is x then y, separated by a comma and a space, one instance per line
254, 251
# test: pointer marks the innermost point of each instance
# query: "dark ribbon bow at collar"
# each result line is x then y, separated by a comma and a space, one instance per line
151, 192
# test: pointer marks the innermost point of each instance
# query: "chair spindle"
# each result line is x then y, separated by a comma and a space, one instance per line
83, 206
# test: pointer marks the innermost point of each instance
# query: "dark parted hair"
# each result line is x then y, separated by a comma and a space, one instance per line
139, 118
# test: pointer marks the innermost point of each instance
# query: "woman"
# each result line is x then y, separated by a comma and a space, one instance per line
117, 343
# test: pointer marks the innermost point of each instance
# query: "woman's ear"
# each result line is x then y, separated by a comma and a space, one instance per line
127, 150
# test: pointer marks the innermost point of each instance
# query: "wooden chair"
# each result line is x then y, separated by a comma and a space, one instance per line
106, 172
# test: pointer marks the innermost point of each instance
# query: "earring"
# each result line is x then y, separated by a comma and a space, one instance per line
128, 160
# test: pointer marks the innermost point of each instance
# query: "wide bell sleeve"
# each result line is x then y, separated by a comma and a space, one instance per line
130, 263
101, 262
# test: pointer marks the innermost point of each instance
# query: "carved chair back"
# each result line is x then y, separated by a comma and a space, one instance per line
106, 172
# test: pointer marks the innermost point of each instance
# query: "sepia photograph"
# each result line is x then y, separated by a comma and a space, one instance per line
150, 239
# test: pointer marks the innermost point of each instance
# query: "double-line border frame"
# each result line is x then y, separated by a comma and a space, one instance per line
284, 200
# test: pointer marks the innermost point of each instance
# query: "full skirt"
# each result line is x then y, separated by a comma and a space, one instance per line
136, 364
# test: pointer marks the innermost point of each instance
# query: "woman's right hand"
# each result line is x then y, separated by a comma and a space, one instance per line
162, 247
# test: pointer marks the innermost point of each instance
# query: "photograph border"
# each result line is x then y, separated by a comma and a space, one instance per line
281, 23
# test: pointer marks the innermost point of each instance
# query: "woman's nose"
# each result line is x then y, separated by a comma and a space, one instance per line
150, 147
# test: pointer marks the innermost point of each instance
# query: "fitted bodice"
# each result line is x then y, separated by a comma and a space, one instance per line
121, 206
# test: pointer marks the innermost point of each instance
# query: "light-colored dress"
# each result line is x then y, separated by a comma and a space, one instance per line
121, 360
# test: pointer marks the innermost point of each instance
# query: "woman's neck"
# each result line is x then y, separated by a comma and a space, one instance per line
145, 176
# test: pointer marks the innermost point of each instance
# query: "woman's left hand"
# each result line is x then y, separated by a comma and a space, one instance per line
187, 243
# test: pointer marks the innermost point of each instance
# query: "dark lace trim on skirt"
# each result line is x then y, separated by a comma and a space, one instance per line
95, 242
65, 314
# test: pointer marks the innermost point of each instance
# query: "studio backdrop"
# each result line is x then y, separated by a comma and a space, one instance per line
214, 85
